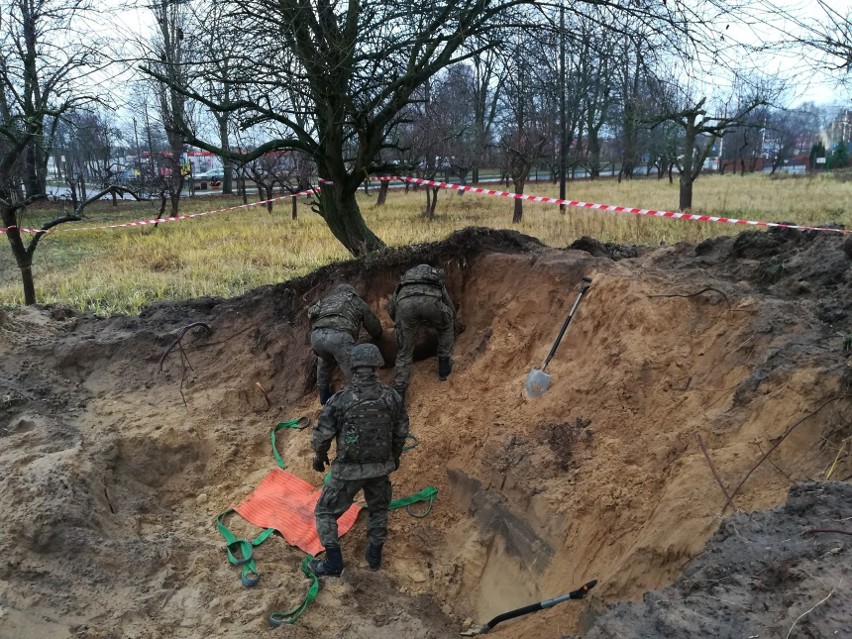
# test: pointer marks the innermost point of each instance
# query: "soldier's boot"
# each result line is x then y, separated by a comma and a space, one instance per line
331, 566
324, 393
374, 556
445, 367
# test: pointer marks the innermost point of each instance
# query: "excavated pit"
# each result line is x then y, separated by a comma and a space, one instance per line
117, 457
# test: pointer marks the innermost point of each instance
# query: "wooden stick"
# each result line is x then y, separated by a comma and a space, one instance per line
778, 443
713, 468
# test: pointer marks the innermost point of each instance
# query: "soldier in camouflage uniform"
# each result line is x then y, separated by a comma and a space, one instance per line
370, 424
421, 300
335, 322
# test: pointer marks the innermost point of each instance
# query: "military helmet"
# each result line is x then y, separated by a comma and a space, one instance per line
367, 355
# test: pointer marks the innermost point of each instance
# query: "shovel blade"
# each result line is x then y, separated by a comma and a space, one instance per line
537, 383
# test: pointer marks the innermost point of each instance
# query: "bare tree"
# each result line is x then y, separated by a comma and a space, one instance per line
790, 132
523, 123
169, 59
84, 148
487, 88
215, 43
289, 170
635, 63
823, 27
744, 142
353, 68
596, 69
702, 127
44, 61
332, 79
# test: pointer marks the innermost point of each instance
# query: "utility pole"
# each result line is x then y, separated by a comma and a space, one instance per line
138, 150
150, 143
722, 145
563, 124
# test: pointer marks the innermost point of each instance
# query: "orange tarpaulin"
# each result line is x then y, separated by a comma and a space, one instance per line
286, 503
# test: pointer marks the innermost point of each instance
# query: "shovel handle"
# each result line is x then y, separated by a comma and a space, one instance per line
581, 592
584, 286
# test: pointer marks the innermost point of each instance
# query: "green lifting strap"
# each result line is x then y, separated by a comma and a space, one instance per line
299, 424
239, 549
414, 445
427, 494
243, 549
281, 618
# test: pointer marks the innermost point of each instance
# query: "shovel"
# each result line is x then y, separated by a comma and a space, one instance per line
538, 381
581, 592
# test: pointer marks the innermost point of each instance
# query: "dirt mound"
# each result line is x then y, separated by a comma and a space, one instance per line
761, 574
121, 439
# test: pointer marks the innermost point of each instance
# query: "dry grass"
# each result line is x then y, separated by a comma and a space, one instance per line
119, 270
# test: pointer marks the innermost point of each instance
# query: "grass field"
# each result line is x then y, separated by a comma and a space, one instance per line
119, 270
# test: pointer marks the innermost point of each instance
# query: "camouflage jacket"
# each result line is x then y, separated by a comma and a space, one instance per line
422, 280
344, 310
369, 421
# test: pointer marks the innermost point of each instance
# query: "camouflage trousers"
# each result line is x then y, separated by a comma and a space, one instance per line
412, 314
336, 498
333, 347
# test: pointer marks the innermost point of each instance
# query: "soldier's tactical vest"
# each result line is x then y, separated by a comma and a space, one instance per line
366, 432
420, 280
337, 311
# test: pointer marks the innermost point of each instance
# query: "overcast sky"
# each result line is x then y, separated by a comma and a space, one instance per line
808, 82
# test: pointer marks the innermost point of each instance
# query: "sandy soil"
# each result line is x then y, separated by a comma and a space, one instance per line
118, 449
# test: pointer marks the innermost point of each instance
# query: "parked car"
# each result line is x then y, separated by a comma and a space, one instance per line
211, 175
124, 177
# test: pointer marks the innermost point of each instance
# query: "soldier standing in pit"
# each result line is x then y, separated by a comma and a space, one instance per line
335, 323
421, 300
370, 424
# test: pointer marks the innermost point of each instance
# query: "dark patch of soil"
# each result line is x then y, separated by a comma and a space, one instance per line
607, 249
775, 573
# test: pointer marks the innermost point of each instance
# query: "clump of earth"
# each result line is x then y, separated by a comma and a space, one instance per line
692, 453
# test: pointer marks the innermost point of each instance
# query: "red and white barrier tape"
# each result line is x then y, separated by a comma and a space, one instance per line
609, 207
469, 189
174, 218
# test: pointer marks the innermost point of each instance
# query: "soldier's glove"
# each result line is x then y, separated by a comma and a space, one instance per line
320, 462
458, 327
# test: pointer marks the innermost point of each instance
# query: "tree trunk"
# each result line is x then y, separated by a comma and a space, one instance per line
29, 284
175, 198
33, 183
383, 193
72, 189
227, 164
687, 174
23, 259
685, 192
339, 208
518, 212
594, 155
431, 202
